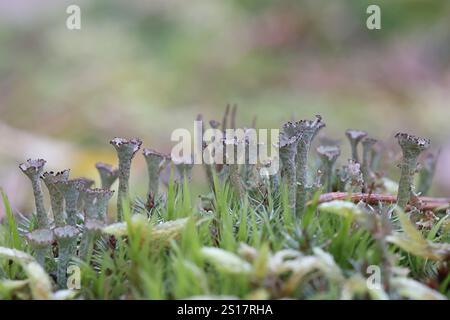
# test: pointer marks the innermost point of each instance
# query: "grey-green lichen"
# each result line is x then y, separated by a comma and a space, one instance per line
249, 169
89, 199
270, 179
51, 180
355, 136
351, 177
33, 170
71, 192
95, 211
308, 130
233, 167
184, 170
156, 162
426, 173
412, 147
214, 124
41, 241
102, 200
209, 166
288, 140
92, 229
328, 156
376, 155
126, 149
96, 203
66, 237
85, 183
108, 175
368, 144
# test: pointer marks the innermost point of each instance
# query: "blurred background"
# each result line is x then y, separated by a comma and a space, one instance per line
144, 68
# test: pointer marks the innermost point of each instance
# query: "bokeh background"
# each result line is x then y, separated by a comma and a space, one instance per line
145, 68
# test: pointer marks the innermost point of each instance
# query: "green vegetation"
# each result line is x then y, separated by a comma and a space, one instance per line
251, 242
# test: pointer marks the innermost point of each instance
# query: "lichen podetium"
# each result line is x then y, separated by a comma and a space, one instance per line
156, 162
108, 175
328, 156
355, 136
412, 147
367, 143
233, 167
33, 170
126, 149
289, 138
51, 180
71, 192
308, 130
66, 237
427, 172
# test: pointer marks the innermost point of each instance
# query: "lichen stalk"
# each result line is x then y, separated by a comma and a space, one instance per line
368, 144
376, 153
51, 180
90, 203
33, 170
156, 162
355, 136
91, 231
108, 175
328, 156
66, 238
84, 183
126, 149
184, 170
411, 147
40, 240
233, 167
287, 151
427, 172
71, 193
101, 205
308, 130
290, 135
210, 169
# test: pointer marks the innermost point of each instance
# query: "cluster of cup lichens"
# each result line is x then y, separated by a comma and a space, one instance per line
358, 175
80, 211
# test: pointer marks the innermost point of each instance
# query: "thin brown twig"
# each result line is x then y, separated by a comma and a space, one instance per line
427, 203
